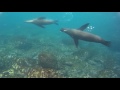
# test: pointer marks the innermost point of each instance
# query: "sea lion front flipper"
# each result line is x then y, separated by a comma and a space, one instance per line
42, 26
83, 27
42, 18
76, 42
56, 22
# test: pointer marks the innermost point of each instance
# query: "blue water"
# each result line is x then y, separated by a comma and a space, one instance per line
104, 24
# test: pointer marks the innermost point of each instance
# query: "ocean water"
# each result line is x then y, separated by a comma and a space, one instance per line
29, 51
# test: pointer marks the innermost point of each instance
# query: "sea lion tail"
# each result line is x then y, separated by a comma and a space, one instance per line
56, 22
106, 43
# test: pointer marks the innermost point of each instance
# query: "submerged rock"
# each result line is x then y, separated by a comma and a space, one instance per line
47, 60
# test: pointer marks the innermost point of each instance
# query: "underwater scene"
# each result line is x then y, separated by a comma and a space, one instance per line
59, 44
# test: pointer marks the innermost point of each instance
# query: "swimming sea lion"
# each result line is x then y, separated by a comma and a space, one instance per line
79, 34
41, 21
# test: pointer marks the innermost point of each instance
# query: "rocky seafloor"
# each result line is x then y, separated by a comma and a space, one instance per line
23, 57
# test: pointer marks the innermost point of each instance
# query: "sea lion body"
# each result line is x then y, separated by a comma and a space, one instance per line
41, 21
79, 34
84, 35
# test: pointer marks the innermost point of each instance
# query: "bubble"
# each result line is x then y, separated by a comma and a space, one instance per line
90, 28
67, 16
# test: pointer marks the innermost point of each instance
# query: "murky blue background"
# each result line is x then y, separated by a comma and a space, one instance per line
104, 24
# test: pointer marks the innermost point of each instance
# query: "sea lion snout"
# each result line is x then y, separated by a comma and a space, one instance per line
29, 21
63, 30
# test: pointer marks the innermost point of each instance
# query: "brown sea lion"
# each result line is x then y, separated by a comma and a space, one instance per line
79, 34
41, 21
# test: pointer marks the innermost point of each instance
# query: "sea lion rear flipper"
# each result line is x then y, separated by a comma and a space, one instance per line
83, 27
42, 18
76, 42
106, 43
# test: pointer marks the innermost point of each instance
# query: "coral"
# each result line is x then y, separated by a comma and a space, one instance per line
47, 60
4, 64
105, 73
25, 62
43, 73
19, 67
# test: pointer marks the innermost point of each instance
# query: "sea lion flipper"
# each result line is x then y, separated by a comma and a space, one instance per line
76, 42
83, 27
42, 26
42, 18
106, 43
56, 22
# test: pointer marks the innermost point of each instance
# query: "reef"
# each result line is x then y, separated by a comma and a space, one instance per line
23, 68
106, 73
24, 57
43, 73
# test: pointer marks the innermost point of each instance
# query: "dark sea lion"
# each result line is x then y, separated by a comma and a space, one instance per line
41, 21
79, 34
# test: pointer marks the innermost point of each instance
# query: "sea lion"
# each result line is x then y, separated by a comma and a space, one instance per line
79, 34
41, 21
